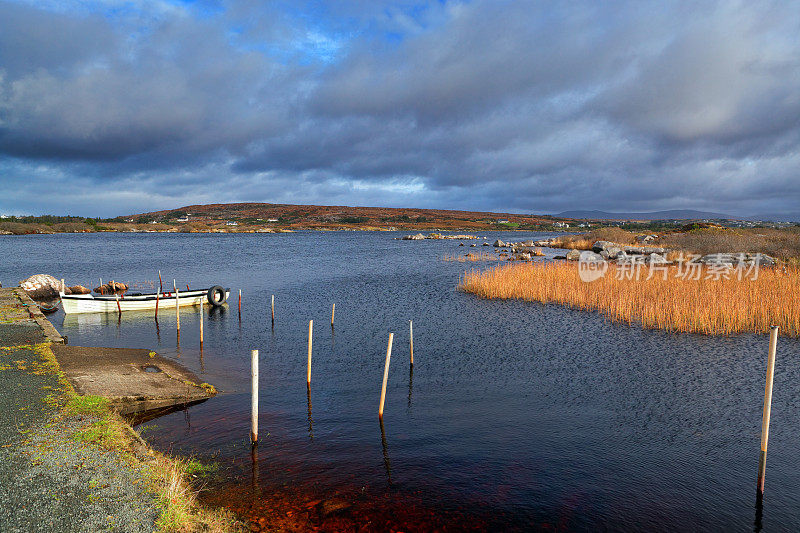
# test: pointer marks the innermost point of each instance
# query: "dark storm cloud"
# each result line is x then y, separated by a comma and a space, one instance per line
483, 105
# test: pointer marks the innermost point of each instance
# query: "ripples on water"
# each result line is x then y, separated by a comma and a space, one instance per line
517, 415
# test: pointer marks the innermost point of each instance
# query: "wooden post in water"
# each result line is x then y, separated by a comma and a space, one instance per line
63, 286
411, 339
333, 313
158, 297
201, 325
160, 283
385, 375
177, 308
101, 286
254, 401
273, 310
116, 297
240, 304
762, 458
310, 339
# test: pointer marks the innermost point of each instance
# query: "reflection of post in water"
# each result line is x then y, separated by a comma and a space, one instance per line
158, 332
757, 523
202, 363
386, 461
188, 420
310, 420
410, 383
254, 469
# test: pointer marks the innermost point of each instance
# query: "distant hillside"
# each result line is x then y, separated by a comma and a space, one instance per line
289, 216
675, 214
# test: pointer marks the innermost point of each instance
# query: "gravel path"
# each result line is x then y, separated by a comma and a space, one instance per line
51, 481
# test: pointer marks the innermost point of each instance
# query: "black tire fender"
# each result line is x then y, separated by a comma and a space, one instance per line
216, 296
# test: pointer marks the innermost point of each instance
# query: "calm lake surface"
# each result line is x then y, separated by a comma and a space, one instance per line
516, 416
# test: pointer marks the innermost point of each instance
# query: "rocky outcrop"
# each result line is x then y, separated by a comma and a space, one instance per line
573, 255
417, 237
41, 287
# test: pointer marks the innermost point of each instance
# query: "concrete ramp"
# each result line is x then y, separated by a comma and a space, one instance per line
137, 384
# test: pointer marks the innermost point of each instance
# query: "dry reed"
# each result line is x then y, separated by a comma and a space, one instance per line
709, 306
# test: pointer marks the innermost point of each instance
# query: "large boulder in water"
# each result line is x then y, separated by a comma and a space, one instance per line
41, 286
77, 289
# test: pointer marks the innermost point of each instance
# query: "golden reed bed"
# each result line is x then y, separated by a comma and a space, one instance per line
711, 306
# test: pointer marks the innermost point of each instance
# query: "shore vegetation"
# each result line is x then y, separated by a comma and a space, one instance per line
710, 306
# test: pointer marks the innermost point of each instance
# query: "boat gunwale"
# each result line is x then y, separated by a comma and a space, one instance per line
140, 298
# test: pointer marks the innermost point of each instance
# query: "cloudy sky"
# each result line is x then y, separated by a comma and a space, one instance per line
112, 107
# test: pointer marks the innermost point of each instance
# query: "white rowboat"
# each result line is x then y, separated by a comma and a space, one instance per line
88, 303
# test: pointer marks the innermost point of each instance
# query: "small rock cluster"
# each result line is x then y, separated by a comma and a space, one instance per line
436, 237
520, 251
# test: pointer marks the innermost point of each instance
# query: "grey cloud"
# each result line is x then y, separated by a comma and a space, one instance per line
482, 105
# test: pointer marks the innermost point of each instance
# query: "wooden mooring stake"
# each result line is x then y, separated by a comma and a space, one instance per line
116, 297
177, 307
411, 339
201, 325
385, 375
254, 400
762, 458
310, 340
273, 310
333, 313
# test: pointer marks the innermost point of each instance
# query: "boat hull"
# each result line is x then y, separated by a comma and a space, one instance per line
87, 303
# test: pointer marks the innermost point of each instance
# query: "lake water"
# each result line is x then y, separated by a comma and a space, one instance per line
517, 415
